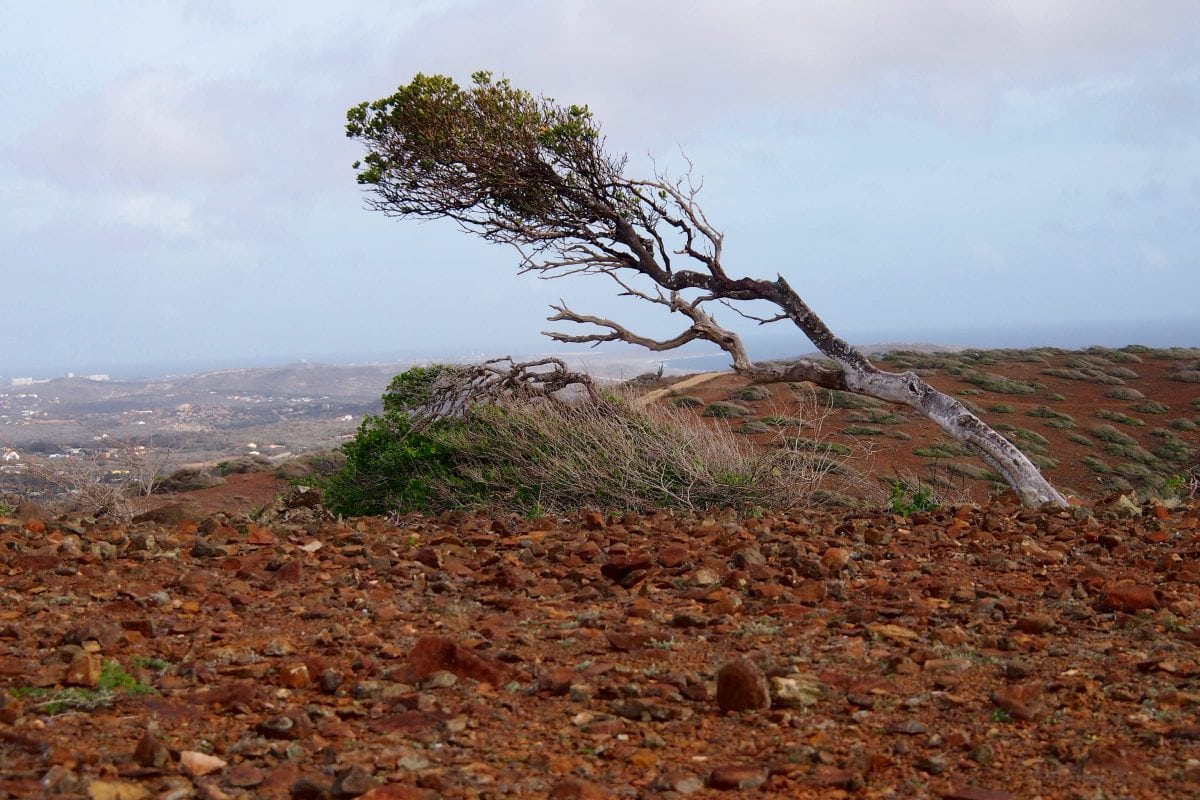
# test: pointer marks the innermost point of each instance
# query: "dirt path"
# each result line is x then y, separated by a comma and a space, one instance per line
650, 397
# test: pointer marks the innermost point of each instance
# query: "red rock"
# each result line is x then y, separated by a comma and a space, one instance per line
1020, 701
673, 555
1130, 597
399, 791
737, 777
835, 559
196, 764
977, 793
150, 752
575, 789
433, 653
294, 676
742, 686
84, 670
1035, 623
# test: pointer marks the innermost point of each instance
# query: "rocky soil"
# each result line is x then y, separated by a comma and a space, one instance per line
972, 652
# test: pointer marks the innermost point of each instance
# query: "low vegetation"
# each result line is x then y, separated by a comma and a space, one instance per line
538, 454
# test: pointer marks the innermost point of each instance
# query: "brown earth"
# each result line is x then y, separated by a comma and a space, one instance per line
971, 652
240, 642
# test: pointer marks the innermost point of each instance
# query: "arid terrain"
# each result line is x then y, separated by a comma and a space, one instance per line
241, 642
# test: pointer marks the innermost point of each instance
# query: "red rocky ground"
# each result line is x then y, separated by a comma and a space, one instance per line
971, 652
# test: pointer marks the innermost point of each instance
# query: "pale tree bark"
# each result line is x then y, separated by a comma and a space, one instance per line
524, 171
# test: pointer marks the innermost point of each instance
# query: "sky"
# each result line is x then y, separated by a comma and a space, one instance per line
176, 185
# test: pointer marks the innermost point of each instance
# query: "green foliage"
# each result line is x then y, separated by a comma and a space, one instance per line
687, 401
1079, 438
1118, 416
1001, 384
1107, 433
1096, 464
1151, 407
751, 393
389, 467
1000, 408
725, 410
480, 153
113, 681
907, 500
532, 457
412, 390
1124, 393
835, 398
943, 449
1183, 424
862, 430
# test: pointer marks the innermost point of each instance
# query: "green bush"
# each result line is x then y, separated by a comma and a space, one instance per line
1000, 384
751, 393
1096, 464
862, 430
687, 401
1124, 393
531, 455
1117, 416
1107, 433
1152, 407
1000, 408
943, 449
721, 409
1184, 424
1079, 438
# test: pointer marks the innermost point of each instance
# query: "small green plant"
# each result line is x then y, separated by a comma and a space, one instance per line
687, 401
151, 663
1001, 716
721, 409
113, 681
1117, 416
906, 500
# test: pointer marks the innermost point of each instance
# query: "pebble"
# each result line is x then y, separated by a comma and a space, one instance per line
352, 782
737, 777
196, 764
795, 691
742, 686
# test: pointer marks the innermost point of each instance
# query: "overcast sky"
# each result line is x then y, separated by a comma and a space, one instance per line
175, 184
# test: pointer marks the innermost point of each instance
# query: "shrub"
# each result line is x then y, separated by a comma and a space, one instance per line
530, 454
862, 430
1117, 416
687, 401
754, 426
1185, 376
879, 418
1000, 408
1045, 412
722, 409
1183, 424
750, 393
1079, 438
1096, 464
907, 500
1107, 433
835, 398
1152, 407
943, 449
1124, 393
1000, 384
782, 421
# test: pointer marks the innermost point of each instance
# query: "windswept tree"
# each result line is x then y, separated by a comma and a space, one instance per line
523, 170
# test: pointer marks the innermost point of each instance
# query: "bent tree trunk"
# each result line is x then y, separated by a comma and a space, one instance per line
856, 373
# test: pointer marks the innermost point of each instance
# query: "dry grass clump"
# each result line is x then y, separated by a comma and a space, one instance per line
1001, 384
614, 455
1086, 375
722, 409
1151, 407
750, 394
1117, 416
1124, 393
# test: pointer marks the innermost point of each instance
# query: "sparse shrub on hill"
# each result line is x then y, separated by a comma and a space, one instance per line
1117, 416
1001, 384
1184, 424
749, 394
1152, 407
687, 401
1124, 393
722, 409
